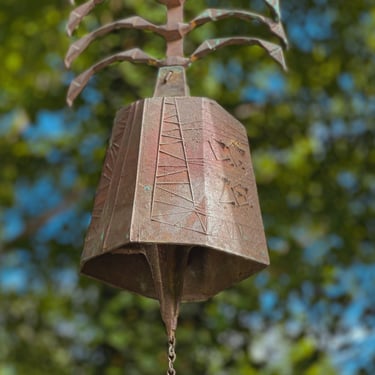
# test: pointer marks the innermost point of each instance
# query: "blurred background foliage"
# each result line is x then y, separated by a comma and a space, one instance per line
312, 139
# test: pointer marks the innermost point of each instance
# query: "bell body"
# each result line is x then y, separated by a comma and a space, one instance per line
177, 174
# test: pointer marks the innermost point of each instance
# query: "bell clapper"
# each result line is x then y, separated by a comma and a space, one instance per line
168, 265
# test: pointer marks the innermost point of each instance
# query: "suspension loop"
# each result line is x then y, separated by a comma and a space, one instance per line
171, 356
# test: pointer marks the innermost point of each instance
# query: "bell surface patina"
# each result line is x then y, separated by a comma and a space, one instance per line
176, 216
177, 179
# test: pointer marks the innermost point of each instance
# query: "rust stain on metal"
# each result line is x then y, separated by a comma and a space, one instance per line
176, 216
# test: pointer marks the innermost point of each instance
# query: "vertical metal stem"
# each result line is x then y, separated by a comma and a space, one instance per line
171, 81
175, 16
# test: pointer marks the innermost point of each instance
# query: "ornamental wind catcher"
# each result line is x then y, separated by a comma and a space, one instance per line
176, 216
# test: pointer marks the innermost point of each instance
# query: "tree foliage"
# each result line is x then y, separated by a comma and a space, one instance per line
312, 141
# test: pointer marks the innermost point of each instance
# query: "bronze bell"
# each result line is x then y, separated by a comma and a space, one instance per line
176, 216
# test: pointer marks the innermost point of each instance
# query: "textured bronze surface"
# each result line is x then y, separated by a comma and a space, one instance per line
177, 176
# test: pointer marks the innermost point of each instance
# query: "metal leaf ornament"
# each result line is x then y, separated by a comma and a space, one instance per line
176, 216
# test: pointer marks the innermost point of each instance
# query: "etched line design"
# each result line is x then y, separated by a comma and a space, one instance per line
230, 153
172, 171
173, 188
174, 200
106, 178
235, 195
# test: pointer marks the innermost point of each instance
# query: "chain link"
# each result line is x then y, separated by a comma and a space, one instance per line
171, 356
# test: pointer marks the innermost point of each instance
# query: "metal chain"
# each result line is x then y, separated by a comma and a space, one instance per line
171, 356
